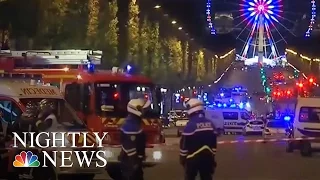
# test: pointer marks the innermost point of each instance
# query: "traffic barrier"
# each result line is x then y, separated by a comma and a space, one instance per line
168, 145
259, 140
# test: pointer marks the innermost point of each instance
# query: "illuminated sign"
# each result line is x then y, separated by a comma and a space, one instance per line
38, 91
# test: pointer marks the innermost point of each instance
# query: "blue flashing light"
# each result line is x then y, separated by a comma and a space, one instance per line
248, 105
230, 100
222, 94
128, 68
219, 105
233, 105
90, 67
287, 118
241, 105
224, 105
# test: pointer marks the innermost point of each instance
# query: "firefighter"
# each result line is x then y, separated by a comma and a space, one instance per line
47, 120
133, 141
26, 122
198, 143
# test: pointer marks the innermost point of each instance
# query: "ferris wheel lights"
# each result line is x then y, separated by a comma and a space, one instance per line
209, 18
313, 18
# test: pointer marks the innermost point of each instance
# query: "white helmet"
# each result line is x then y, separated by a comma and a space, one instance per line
193, 105
136, 106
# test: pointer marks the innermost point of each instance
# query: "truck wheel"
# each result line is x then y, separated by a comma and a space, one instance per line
289, 148
114, 171
305, 149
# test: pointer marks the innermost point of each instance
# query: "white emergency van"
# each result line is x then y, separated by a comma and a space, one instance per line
229, 120
306, 124
14, 96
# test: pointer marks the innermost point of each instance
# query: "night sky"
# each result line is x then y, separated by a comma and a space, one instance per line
191, 13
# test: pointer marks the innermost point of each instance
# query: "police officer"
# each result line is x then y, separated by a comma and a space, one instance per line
198, 143
133, 141
47, 120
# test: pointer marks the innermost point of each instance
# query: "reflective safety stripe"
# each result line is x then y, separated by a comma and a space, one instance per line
131, 132
121, 121
129, 152
200, 150
146, 122
197, 130
183, 152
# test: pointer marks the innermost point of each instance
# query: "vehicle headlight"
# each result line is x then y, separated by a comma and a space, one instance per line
157, 155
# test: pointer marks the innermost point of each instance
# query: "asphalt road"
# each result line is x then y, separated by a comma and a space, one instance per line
241, 161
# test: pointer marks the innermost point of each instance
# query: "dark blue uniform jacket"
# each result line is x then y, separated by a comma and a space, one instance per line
133, 139
198, 137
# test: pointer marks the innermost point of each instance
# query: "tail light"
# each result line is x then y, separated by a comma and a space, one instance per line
311, 80
116, 95
300, 85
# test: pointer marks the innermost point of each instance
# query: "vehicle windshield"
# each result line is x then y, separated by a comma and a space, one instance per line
112, 98
66, 115
277, 124
256, 122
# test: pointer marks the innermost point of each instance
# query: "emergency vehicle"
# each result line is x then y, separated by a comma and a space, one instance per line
100, 97
14, 97
306, 123
228, 119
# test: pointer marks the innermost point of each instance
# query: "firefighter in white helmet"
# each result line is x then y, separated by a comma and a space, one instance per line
47, 120
198, 143
133, 140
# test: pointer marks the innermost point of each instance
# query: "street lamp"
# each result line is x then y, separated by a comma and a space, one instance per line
157, 6
180, 28
174, 22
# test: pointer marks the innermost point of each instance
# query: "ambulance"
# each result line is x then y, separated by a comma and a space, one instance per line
15, 95
100, 97
306, 124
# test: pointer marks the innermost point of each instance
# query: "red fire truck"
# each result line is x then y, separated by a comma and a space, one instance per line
100, 97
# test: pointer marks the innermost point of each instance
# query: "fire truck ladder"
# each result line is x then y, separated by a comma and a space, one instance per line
56, 57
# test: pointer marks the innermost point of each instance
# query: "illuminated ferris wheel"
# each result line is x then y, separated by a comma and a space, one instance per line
264, 24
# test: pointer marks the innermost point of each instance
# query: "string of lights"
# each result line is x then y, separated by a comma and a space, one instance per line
173, 22
209, 17
313, 18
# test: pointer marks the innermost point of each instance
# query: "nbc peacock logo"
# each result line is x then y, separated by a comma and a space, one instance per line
26, 159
